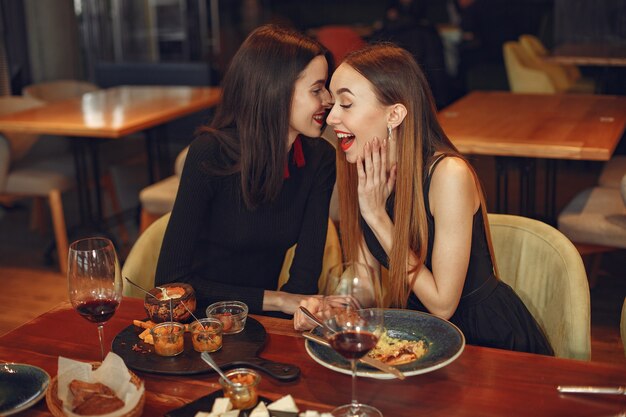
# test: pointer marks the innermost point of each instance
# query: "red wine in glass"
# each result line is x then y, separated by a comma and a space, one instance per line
353, 344
353, 322
97, 311
94, 281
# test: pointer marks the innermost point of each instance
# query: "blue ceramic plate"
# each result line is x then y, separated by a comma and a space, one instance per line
21, 386
445, 343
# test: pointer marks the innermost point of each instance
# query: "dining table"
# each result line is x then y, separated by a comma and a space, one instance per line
111, 114
590, 54
520, 129
480, 382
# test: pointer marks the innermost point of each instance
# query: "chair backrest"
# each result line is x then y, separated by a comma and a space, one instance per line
546, 271
533, 45
332, 257
141, 263
340, 41
58, 90
19, 143
148, 73
622, 325
522, 76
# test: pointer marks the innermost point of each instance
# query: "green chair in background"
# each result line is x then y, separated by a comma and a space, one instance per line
546, 271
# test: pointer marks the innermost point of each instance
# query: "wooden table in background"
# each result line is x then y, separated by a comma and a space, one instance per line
535, 126
481, 382
110, 114
590, 54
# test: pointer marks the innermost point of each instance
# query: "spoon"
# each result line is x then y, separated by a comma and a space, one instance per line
192, 315
208, 359
141, 288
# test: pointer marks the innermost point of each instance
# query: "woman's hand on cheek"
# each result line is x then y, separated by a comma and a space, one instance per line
375, 183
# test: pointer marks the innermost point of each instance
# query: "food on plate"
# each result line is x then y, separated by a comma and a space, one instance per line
243, 393
260, 411
226, 319
93, 398
284, 404
168, 302
206, 335
232, 314
169, 338
394, 351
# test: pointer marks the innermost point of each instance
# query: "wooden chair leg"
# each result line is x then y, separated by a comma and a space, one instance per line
60, 230
38, 217
107, 184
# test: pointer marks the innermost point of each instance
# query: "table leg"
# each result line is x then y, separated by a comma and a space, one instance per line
157, 151
550, 195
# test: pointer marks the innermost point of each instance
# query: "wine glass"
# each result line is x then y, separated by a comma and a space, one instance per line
353, 322
95, 281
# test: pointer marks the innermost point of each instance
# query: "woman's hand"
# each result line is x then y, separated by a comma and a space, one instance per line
375, 182
300, 321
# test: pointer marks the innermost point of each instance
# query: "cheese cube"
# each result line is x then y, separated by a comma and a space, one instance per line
260, 411
221, 405
285, 403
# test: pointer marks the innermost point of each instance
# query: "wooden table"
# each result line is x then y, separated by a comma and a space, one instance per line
535, 126
110, 114
481, 382
590, 54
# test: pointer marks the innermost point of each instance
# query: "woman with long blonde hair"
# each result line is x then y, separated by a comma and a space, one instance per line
410, 202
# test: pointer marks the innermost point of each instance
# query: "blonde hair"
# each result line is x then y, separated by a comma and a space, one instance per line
396, 78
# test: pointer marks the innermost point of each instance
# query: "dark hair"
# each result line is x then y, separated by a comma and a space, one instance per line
256, 102
397, 78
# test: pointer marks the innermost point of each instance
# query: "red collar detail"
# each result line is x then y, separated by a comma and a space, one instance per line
298, 156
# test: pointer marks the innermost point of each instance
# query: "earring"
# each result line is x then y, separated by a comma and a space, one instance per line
389, 132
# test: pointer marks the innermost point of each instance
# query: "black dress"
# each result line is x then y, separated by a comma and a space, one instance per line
489, 313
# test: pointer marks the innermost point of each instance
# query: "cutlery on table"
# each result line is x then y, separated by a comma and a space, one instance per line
575, 389
365, 359
209, 360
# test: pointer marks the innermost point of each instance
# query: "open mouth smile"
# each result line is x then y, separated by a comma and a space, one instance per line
319, 118
345, 139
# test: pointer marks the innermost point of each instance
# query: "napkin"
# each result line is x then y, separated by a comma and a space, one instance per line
112, 373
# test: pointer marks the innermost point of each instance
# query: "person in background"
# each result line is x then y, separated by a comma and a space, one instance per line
257, 180
422, 211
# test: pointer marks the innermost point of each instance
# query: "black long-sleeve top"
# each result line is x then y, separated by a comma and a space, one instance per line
228, 252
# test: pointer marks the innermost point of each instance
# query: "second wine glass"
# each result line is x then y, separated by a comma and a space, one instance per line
353, 322
94, 281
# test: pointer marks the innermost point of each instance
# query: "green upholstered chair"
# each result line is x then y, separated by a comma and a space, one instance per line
141, 263
546, 271
622, 326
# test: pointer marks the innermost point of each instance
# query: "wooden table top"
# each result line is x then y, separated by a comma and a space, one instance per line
553, 126
593, 54
112, 113
482, 381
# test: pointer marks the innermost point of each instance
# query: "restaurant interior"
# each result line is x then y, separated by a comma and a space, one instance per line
478, 56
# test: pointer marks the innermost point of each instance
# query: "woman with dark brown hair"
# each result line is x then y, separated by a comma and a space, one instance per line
255, 181
410, 202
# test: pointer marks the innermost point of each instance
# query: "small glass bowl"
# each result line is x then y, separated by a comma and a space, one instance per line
232, 314
206, 335
243, 395
169, 338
